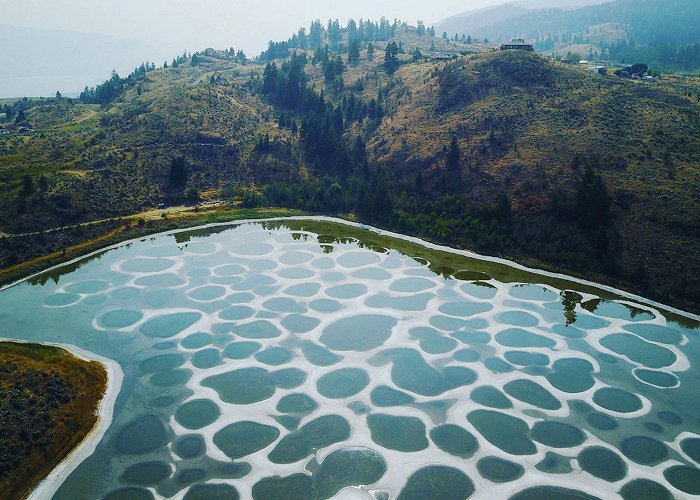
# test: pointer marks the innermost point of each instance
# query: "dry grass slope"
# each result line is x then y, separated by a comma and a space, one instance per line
48, 404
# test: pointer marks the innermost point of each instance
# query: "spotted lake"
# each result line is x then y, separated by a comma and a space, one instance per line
308, 359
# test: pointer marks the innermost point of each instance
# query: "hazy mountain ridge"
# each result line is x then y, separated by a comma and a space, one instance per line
674, 23
476, 22
558, 4
39, 62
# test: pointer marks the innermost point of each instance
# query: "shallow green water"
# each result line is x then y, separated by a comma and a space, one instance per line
268, 361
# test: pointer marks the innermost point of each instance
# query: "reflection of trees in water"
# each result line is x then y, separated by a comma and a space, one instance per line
300, 236
593, 305
569, 299
186, 236
56, 274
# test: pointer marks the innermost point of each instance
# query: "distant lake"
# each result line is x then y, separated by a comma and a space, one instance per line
300, 359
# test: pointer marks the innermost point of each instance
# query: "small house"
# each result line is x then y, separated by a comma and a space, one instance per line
518, 44
599, 70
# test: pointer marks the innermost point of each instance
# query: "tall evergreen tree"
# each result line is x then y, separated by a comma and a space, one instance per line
592, 201
178, 173
370, 51
27, 185
391, 57
270, 76
316, 35
417, 55
454, 156
353, 33
354, 52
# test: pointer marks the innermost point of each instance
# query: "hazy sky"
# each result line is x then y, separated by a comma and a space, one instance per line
174, 25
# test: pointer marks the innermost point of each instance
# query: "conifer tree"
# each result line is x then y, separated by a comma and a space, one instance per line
453, 156
391, 57
354, 52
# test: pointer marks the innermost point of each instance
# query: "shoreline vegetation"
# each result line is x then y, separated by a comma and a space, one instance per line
102, 235
51, 400
89, 237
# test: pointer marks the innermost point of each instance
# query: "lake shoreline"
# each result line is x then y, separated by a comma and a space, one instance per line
48, 486
110, 237
390, 234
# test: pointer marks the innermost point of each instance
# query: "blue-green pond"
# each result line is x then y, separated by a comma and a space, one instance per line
309, 359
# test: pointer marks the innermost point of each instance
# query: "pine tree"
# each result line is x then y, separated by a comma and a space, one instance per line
592, 201
354, 52
504, 209
270, 77
419, 184
453, 156
27, 185
391, 57
178, 173
316, 35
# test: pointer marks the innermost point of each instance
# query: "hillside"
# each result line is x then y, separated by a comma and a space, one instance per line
507, 153
528, 127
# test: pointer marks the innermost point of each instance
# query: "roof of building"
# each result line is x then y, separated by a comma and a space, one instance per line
517, 43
